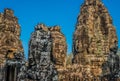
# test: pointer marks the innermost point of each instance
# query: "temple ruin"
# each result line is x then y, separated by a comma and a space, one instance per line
95, 46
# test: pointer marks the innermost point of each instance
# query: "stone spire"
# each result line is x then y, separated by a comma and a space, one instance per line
94, 36
11, 49
59, 47
40, 66
9, 33
95, 33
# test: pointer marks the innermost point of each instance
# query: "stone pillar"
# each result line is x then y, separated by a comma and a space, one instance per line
9, 38
93, 38
40, 67
59, 47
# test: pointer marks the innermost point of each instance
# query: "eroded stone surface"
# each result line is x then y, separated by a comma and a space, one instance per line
15, 68
11, 50
9, 33
40, 66
93, 38
59, 47
111, 68
95, 33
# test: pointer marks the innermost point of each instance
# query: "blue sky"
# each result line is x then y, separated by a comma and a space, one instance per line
53, 12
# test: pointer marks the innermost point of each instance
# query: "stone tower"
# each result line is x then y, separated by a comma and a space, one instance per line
40, 67
94, 36
11, 50
59, 47
9, 34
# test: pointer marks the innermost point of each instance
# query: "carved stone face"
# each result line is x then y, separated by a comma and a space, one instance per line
39, 54
45, 58
40, 47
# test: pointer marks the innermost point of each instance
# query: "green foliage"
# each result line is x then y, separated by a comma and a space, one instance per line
69, 59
